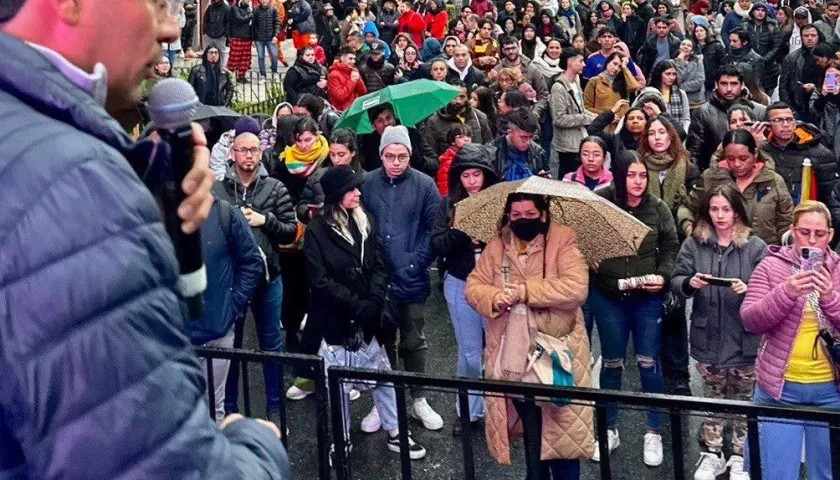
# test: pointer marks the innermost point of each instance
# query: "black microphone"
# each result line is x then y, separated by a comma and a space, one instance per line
171, 105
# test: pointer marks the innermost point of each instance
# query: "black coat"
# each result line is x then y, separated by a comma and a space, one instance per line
474, 78
216, 19
454, 246
713, 55
303, 78
266, 24
239, 21
269, 197
634, 34
377, 77
748, 62
647, 54
224, 84
329, 33
537, 159
341, 279
709, 124
766, 40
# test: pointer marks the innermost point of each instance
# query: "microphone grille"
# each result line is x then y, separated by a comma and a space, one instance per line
171, 103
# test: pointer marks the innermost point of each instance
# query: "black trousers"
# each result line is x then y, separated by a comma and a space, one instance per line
531, 416
566, 162
188, 34
675, 348
295, 295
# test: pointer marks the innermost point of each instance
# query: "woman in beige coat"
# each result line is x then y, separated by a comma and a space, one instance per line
549, 275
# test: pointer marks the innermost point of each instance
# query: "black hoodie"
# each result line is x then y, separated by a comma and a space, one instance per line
454, 246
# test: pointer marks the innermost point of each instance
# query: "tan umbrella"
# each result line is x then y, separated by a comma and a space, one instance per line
603, 229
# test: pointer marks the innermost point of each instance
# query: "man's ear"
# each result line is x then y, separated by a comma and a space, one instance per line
69, 11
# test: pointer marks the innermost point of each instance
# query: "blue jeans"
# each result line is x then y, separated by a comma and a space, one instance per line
272, 52
781, 441
616, 320
266, 306
469, 334
171, 55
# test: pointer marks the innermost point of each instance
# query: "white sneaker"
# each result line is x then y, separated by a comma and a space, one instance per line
354, 395
612, 441
295, 393
371, 423
736, 468
653, 449
423, 412
710, 465
262, 80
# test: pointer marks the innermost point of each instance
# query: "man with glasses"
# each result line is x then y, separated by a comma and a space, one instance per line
99, 379
512, 58
517, 155
267, 206
423, 158
789, 143
403, 203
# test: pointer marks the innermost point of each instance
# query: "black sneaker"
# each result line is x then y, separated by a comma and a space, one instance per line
457, 428
415, 450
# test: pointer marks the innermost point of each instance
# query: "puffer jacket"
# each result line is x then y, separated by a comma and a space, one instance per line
341, 91
239, 21
454, 246
302, 78
709, 125
766, 41
301, 15
439, 124
266, 24
657, 253
537, 159
790, 91
403, 211
90, 298
268, 197
749, 63
769, 204
770, 311
377, 75
556, 278
718, 336
806, 144
215, 24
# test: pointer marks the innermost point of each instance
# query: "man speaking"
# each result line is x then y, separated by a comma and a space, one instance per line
97, 377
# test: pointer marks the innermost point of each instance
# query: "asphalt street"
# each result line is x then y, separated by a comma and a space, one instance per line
371, 459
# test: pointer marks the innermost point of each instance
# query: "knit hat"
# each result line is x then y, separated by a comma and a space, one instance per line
246, 124
337, 181
395, 134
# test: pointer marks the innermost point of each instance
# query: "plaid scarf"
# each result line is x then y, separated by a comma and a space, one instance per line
676, 107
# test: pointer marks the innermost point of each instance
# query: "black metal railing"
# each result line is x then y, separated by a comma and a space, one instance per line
675, 406
254, 90
310, 363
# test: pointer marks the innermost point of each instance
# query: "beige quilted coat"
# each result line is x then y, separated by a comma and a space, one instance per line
556, 301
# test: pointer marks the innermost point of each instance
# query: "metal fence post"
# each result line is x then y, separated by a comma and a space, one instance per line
677, 443
466, 435
755, 447
834, 441
322, 406
211, 388
402, 421
603, 440
341, 464
246, 388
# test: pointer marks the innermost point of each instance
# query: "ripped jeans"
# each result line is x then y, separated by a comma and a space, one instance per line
616, 320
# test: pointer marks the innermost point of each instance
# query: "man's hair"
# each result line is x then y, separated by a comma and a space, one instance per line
457, 82
514, 98
661, 20
809, 26
776, 106
524, 120
486, 21
729, 71
345, 50
566, 54
742, 33
823, 50
607, 30
832, 3
510, 40
314, 105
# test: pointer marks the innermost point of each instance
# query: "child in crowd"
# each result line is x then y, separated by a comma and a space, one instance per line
458, 136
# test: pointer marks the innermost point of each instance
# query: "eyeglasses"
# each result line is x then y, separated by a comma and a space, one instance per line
391, 158
779, 121
244, 151
806, 232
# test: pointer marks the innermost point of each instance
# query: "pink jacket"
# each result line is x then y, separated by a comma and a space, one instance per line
770, 311
577, 176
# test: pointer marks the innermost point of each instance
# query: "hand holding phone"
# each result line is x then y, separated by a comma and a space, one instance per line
830, 83
812, 258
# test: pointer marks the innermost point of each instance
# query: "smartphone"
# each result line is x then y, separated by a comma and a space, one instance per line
719, 282
831, 81
811, 258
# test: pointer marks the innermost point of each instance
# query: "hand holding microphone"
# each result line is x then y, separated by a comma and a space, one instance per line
186, 196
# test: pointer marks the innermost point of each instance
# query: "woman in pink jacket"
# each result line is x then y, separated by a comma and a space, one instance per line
791, 300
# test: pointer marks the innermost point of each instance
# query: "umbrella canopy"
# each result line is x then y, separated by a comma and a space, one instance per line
603, 230
411, 102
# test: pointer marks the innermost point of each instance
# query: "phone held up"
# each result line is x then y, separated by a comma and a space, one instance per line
812, 258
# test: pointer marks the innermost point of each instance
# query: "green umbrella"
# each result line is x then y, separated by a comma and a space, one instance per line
412, 102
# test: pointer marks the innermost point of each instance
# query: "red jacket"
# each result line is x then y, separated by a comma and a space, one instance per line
342, 91
481, 7
443, 172
412, 23
437, 25
320, 55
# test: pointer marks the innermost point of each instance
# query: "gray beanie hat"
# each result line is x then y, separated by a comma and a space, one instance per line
395, 134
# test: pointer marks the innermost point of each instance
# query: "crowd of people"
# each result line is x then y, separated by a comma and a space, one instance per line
698, 119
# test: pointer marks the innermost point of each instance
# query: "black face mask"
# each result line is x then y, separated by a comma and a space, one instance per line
527, 229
